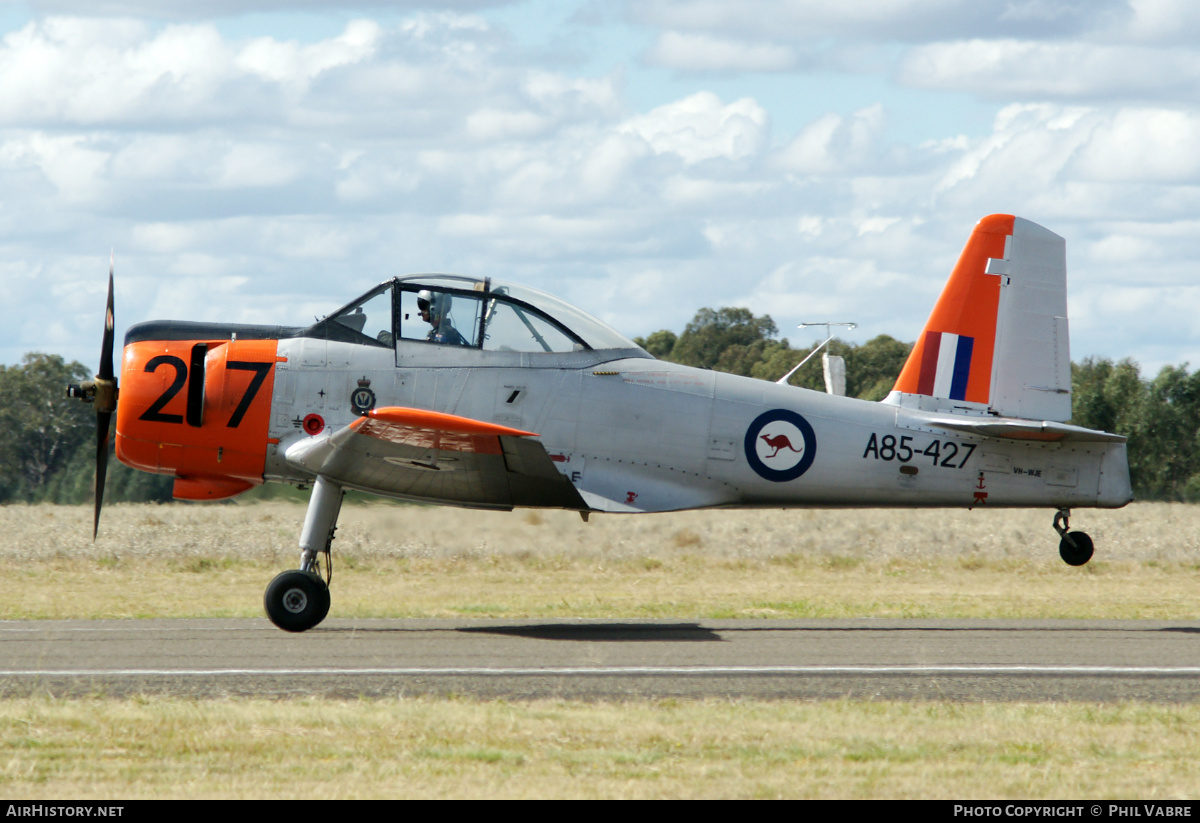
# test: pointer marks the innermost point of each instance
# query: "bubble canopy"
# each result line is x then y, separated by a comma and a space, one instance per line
482, 312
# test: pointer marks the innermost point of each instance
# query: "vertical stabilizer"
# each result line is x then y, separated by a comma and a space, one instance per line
997, 338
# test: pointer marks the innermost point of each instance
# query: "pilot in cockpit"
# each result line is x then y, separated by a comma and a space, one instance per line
435, 310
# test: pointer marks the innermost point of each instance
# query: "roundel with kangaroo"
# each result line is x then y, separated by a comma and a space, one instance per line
780, 445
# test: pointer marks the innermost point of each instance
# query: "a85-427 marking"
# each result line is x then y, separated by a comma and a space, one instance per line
945, 454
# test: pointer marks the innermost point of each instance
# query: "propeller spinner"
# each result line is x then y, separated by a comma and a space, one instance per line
102, 391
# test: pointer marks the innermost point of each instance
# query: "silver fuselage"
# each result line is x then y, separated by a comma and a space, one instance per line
632, 433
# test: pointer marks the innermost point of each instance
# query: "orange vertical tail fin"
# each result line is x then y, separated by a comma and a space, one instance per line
997, 338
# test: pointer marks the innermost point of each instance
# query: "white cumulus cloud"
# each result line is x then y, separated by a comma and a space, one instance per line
901, 20
704, 52
1008, 69
700, 127
835, 144
294, 174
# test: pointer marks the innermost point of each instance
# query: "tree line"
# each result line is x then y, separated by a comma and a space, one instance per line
48, 443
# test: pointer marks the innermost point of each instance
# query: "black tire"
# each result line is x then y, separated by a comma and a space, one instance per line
296, 601
1078, 554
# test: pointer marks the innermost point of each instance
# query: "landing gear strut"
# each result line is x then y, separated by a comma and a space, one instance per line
1075, 548
297, 600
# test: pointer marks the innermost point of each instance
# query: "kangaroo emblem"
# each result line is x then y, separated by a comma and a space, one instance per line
779, 441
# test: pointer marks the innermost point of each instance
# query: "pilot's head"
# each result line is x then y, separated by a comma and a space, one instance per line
433, 306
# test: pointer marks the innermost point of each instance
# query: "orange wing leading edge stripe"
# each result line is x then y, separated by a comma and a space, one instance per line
968, 308
437, 421
434, 430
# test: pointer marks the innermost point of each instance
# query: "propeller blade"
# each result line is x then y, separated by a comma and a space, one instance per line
106, 348
105, 399
102, 423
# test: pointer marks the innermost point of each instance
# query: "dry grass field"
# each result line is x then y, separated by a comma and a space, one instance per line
417, 561
214, 561
426, 748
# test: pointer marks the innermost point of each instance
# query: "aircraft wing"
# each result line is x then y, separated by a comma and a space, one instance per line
1016, 429
441, 458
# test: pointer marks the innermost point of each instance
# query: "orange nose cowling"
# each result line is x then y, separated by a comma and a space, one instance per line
198, 410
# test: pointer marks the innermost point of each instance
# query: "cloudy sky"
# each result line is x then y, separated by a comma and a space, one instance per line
266, 161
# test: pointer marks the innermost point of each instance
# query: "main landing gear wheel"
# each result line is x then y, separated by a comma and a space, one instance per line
1075, 548
296, 601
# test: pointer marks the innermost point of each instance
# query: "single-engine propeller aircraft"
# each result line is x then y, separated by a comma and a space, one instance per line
469, 392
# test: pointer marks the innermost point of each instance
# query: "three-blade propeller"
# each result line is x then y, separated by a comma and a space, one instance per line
102, 391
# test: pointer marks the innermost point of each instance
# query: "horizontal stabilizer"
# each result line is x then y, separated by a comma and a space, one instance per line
1013, 429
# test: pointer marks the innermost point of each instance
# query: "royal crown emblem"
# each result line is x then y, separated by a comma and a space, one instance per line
362, 399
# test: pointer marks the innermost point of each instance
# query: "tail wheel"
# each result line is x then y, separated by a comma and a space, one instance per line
296, 601
1075, 548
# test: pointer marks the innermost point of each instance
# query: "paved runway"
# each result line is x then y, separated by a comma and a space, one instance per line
582, 659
